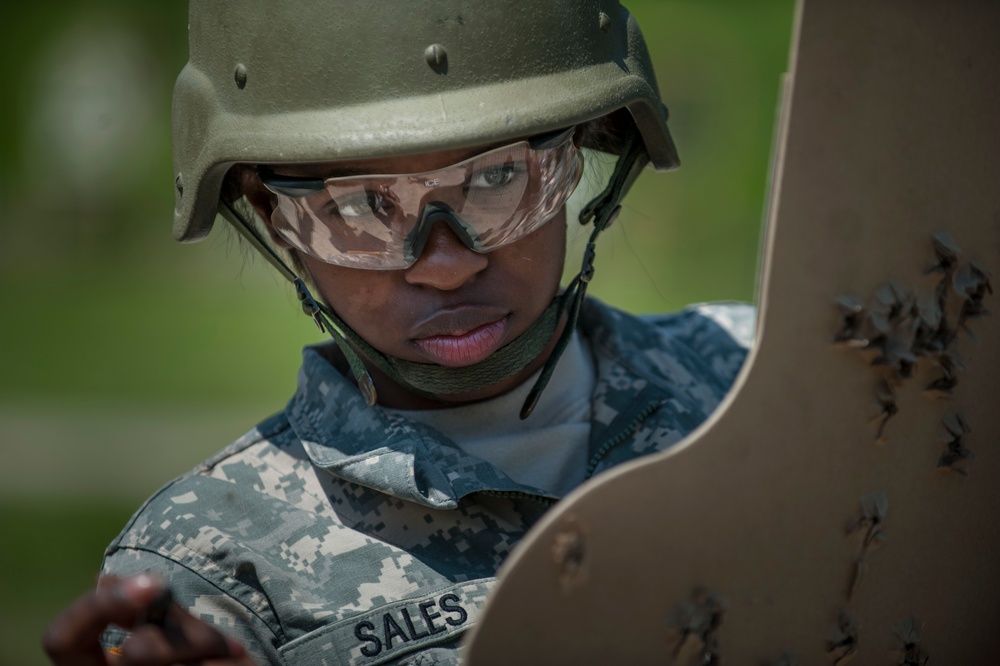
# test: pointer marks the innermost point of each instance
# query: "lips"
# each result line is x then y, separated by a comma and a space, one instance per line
461, 337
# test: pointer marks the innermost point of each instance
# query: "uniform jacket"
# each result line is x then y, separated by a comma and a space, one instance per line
335, 533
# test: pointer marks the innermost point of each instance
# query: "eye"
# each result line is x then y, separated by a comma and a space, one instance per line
493, 177
363, 203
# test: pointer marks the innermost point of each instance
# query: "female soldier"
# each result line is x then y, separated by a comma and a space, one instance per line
411, 171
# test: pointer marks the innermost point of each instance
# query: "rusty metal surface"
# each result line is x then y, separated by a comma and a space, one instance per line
843, 506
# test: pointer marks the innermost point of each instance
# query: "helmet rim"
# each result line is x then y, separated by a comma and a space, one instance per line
219, 123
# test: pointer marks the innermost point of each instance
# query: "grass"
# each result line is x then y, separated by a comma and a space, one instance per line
119, 333
50, 552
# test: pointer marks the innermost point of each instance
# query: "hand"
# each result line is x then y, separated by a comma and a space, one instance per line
72, 638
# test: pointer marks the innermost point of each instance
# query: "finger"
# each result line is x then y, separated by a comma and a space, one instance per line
73, 637
156, 611
181, 639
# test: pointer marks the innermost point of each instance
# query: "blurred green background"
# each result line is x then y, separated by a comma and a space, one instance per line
126, 358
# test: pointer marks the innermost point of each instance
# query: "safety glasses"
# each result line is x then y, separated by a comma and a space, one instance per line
382, 222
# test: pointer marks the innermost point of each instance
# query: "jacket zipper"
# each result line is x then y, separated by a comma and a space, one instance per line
517, 494
641, 416
620, 437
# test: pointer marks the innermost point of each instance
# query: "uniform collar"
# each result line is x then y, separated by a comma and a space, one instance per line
382, 451
639, 367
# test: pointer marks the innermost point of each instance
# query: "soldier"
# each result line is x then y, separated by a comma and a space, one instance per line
409, 174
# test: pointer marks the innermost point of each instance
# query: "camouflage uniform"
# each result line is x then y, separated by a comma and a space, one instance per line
334, 533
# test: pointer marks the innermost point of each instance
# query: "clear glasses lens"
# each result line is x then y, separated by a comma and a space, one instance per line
364, 221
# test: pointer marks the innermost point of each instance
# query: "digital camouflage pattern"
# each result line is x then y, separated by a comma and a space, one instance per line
334, 533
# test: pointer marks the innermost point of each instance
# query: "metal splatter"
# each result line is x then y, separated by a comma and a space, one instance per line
946, 252
950, 363
869, 527
843, 640
696, 624
888, 408
972, 284
569, 552
853, 311
898, 327
908, 636
956, 454
891, 339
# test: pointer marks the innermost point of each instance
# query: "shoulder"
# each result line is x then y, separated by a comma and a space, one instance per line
224, 505
261, 467
703, 325
298, 561
198, 533
705, 343
710, 325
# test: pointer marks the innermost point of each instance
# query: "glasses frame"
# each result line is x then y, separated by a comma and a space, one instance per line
295, 187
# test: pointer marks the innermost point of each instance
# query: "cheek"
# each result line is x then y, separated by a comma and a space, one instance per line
543, 254
355, 295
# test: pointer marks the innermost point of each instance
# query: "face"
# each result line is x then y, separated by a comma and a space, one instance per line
452, 307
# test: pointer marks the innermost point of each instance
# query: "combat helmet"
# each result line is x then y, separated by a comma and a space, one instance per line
307, 81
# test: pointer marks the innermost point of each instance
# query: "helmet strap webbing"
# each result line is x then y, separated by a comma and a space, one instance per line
603, 209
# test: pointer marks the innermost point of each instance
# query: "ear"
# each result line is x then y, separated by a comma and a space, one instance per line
265, 204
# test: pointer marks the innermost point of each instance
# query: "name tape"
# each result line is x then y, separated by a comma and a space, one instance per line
394, 629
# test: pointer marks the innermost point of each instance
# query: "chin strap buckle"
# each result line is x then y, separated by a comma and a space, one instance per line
587, 269
309, 304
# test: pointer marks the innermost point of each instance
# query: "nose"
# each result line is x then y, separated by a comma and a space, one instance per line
445, 263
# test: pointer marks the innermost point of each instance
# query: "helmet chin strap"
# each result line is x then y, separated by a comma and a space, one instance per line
432, 381
603, 209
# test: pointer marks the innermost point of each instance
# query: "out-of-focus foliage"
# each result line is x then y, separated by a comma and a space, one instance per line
126, 357
86, 183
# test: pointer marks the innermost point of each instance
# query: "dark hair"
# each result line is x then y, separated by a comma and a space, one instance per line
240, 180
607, 134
